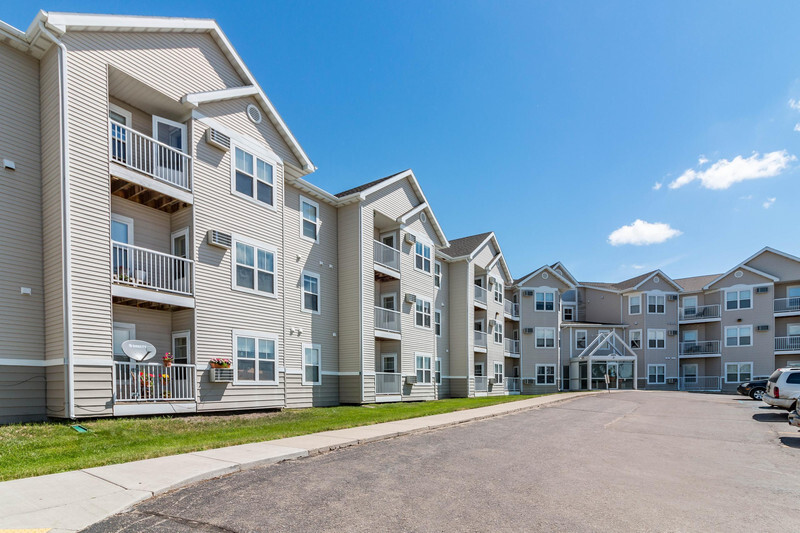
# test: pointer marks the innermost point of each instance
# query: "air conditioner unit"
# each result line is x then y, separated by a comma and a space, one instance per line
218, 140
762, 328
672, 381
492, 280
492, 381
221, 375
672, 297
492, 323
411, 298
411, 380
527, 292
762, 290
219, 239
672, 332
528, 381
527, 330
410, 239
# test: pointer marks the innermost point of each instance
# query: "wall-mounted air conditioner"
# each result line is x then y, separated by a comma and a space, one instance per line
492, 323
672, 297
762, 290
492, 280
527, 330
411, 298
218, 140
763, 327
219, 239
672, 332
411, 380
410, 239
527, 292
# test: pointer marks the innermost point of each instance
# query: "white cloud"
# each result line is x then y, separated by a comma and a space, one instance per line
641, 233
794, 104
657, 185
702, 160
724, 173
748, 197
769, 202
637, 267
797, 127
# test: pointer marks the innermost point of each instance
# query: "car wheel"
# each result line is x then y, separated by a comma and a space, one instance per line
757, 394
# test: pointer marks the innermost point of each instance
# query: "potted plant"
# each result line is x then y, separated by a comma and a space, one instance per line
220, 362
168, 359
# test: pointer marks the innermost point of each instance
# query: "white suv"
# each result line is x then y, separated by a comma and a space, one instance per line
783, 388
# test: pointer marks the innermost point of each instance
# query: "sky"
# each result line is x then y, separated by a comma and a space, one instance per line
615, 137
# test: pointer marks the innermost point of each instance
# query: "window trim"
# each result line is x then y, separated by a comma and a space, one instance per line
544, 309
310, 274
739, 298
384, 357
437, 277
130, 326
437, 371
317, 223
630, 338
122, 219
664, 374
501, 373
124, 112
430, 314
498, 292
235, 334
545, 366
273, 162
536, 338
656, 347
423, 355
498, 330
572, 309
313, 346
639, 295
739, 336
657, 296
738, 370
177, 335
437, 322
585, 338
267, 248
431, 258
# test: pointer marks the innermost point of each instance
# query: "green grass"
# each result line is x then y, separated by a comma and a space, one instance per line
51, 447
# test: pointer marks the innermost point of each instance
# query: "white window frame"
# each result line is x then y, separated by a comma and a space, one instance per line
738, 298
422, 301
256, 246
303, 307
585, 339
498, 332
437, 274
663, 376
430, 258
394, 297
544, 308
571, 309
738, 371
180, 125
437, 322
630, 339
418, 369
498, 292
655, 332
498, 375
188, 335
311, 346
437, 371
128, 221
483, 369
303, 219
662, 298
547, 375
124, 112
256, 156
630, 304
393, 357
739, 336
126, 326
544, 338
183, 232
256, 335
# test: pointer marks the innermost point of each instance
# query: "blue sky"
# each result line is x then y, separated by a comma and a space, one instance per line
563, 114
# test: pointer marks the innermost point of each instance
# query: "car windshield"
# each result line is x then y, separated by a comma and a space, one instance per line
775, 375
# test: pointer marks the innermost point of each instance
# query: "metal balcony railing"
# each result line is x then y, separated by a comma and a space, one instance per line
153, 382
387, 256
387, 319
700, 312
149, 156
480, 339
787, 344
512, 346
512, 384
387, 382
784, 305
700, 383
699, 347
140, 267
481, 383
512, 309
480, 295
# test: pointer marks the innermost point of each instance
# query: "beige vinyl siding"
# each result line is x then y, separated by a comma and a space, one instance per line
22, 394
350, 307
776, 265
460, 328
152, 326
151, 227
141, 121
442, 303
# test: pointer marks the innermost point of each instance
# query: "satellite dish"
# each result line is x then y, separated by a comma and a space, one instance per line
138, 350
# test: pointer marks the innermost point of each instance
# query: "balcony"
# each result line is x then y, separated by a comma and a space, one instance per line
512, 347
512, 385
388, 383
699, 348
787, 344
387, 261
700, 313
481, 383
152, 276
787, 306
153, 382
480, 296
387, 323
512, 309
700, 383
480, 340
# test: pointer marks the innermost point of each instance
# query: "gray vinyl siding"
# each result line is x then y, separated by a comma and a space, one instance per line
461, 327
22, 393
350, 308
442, 304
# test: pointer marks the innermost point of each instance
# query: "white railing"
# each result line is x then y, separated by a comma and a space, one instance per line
481, 383
699, 347
480, 295
140, 267
153, 382
512, 346
387, 256
700, 312
387, 382
149, 156
783, 305
512, 309
480, 339
787, 344
700, 383
512, 384
387, 319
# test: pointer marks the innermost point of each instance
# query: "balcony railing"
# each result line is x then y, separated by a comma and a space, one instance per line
153, 382
480, 339
512, 309
700, 312
699, 347
785, 305
480, 295
387, 383
512, 346
387, 256
387, 319
512, 384
787, 344
140, 267
149, 156
700, 383
481, 383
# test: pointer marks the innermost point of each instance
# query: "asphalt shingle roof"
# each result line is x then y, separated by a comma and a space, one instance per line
465, 245
366, 186
696, 283
622, 285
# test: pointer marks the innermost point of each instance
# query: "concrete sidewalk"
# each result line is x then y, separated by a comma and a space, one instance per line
74, 500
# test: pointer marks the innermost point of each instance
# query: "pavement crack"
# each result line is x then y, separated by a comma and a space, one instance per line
185, 521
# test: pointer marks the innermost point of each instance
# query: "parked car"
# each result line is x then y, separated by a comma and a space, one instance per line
783, 387
794, 418
754, 389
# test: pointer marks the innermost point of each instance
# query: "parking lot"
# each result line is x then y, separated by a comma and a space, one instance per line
627, 461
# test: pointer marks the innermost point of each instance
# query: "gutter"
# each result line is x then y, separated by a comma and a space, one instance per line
65, 224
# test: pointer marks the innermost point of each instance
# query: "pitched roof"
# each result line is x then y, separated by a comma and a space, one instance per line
366, 186
465, 245
696, 283
620, 286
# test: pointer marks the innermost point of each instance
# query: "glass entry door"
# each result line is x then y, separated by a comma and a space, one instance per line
612, 370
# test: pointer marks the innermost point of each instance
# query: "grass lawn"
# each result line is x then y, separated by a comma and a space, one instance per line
46, 448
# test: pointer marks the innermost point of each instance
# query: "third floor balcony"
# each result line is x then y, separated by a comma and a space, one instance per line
699, 348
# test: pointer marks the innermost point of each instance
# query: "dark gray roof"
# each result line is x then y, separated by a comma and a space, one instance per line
366, 186
696, 283
465, 245
622, 285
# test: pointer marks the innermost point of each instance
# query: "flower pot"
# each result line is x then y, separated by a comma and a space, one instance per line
167, 364
218, 365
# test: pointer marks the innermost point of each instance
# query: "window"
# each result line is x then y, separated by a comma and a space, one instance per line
252, 178
121, 332
738, 300
437, 322
739, 336
422, 367
498, 372
498, 333
690, 306
738, 372
389, 363
422, 314
636, 339
498, 292
181, 348
312, 364
656, 338
311, 292
655, 304
254, 269
580, 339
656, 374
545, 301
255, 358
422, 257
635, 304
568, 314
437, 274
545, 337
545, 374
438, 372
309, 211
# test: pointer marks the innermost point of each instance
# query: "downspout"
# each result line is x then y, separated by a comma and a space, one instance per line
66, 247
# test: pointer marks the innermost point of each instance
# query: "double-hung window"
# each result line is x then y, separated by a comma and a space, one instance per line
498, 333
312, 364
545, 337
656, 338
580, 339
636, 339
738, 300
422, 257
254, 269
422, 367
655, 304
253, 178
635, 304
738, 372
422, 313
656, 374
739, 336
437, 274
255, 357
568, 313
311, 292
545, 374
309, 211
498, 372
437, 322
498, 292
545, 301
438, 372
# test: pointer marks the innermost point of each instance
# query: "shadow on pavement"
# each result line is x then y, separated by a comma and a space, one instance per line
792, 442
770, 417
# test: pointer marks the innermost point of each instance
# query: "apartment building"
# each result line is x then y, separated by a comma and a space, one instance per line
151, 192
